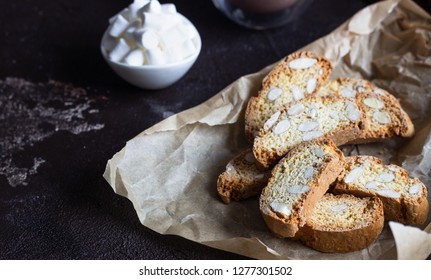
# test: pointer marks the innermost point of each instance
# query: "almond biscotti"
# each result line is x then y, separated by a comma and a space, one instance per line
298, 75
334, 118
384, 115
404, 198
297, 182
242, 178
365, 118
343, 223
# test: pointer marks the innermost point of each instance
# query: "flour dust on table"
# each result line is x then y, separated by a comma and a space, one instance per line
30, 113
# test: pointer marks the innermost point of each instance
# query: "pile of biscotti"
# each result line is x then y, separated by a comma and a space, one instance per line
308, 189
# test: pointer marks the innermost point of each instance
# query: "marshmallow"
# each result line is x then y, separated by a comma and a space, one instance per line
156, 57
109, 43
188, 48
133, 11
118, 26
174, 55
169, 8
135, 7
146, 38
119, 51
128, 34
171, 38
187, 30
135, 58
153, 7
160, 22
141, 3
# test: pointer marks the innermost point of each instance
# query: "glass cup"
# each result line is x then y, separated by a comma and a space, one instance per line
260, 14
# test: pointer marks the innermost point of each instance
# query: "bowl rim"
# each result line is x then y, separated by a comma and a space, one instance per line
149, 66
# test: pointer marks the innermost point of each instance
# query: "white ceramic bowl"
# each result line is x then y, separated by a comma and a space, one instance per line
153, 76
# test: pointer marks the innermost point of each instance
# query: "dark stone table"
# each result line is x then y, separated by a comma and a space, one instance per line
64, 113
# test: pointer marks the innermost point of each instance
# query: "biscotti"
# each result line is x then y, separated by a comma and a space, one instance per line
343, 223
404, 198
366, 117
297, 182
384, 115
242, 178
296, 121
297, 76
334, 118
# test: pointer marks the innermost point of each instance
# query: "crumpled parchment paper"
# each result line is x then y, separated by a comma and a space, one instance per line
169, 171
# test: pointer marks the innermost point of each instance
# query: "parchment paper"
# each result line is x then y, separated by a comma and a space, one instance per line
169, 171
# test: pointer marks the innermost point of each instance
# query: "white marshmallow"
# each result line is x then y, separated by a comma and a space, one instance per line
128, 34
120, 24
153, 7
135, 7
133, 11
172, 38
169, 8
187, 30
135, 58
173, 55
146, 38
141, 2
188, 48
155, 57
159, 22
119, 51
109, 43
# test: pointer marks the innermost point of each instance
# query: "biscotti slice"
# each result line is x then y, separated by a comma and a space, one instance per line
242, 178
343, 223
335, 118
384, 115
404, 198
367, 117
297, 182
298, 75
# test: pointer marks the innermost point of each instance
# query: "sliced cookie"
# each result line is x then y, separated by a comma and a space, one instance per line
297, 76
365, 118
242, 178
343, 223
384, 117
404, 198
297, 182
384, 114
334, 118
